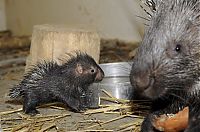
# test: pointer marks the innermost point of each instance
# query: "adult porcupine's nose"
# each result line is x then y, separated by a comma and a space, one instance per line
141, 79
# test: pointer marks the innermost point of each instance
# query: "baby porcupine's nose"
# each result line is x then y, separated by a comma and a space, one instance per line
99, 76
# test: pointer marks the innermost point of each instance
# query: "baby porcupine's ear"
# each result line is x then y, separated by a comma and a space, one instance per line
79, 69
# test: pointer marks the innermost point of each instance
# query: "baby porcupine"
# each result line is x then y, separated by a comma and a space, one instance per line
67, 83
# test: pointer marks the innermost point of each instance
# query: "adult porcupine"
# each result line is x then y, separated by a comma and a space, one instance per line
166, 67
66, 83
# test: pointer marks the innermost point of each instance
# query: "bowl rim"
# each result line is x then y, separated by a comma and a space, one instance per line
116, 69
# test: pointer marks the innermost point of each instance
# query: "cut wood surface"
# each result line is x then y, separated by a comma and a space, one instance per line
52, 42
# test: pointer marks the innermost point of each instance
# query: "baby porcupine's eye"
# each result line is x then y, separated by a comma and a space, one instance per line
178, 48
92, 70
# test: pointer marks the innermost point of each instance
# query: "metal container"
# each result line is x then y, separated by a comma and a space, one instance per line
116, 82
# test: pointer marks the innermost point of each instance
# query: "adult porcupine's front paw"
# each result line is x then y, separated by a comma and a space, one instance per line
147, 125
194, 116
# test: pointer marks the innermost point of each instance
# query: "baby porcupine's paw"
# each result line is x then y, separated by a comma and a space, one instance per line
31, 112
76, 105
79, 108
29, 107
82, 109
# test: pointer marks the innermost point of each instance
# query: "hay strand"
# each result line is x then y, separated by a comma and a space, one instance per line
117, 118
10, 112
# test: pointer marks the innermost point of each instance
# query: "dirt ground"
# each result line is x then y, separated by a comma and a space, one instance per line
58, 118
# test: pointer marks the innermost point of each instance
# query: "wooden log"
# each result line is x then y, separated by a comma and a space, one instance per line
9, 42
52, 42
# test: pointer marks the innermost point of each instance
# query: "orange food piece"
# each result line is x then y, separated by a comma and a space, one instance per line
175, 123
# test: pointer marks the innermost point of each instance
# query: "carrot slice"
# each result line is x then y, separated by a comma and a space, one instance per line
175, 123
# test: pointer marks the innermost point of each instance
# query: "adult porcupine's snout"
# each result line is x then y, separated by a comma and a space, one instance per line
142, 80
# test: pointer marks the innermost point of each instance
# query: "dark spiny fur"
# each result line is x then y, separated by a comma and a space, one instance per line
66, 83
167, 64
194, 114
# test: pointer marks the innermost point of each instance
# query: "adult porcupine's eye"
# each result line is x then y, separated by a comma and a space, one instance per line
178, 47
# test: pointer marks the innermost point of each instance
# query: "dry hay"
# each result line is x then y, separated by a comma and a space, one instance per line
119, 111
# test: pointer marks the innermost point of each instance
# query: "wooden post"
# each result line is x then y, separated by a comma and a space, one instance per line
52, 42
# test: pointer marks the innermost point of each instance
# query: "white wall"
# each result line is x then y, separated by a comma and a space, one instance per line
112, 18
2, 16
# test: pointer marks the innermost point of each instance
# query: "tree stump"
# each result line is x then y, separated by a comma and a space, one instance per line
52, 42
